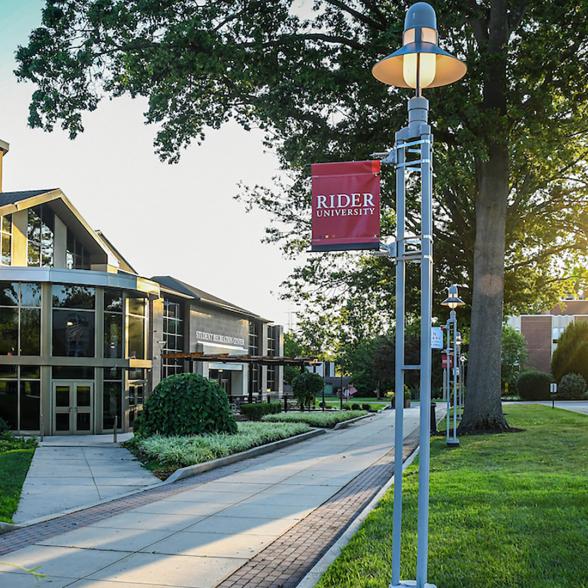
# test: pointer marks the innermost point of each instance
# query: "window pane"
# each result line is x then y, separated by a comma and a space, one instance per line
83, 421
136, 337
62, 396
62, 421
70, 372
73, 333
30, 331
113, 326
30, 372
137, 306
9, 402
30, 397
7, 223
73, 297
8, 294
34, 225
30, 294
6, 255
136, 374
83, 396
34, 253
113, 374
113, 300
47, 253
112, 404
8, 331
8, 371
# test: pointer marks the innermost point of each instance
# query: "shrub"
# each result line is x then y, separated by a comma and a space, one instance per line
315, 419
571, 353
534, 385
4, 428
346, 406
186, 404
355, 406
305, 387
572, 387
255, 411
366, 406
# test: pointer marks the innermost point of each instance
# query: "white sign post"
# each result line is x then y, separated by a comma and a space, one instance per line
436, 338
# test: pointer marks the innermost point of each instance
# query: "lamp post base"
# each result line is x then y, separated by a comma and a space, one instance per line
410, 584
453, 442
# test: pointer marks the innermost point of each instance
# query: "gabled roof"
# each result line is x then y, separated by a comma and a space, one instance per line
202, 296
14, 197
122, 261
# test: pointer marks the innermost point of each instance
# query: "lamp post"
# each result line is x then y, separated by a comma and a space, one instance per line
420, 63
452, 301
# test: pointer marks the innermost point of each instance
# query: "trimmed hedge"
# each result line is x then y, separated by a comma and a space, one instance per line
572, 387
327, 419
534, 385
186, 404
255, 411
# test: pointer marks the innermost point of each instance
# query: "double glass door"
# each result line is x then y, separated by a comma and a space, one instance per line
73, 408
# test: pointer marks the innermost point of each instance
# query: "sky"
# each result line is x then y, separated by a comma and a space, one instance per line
178, 220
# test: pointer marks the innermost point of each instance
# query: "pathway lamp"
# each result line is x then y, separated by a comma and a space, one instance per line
419, 64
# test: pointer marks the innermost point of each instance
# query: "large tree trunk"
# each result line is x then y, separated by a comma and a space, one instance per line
483, 408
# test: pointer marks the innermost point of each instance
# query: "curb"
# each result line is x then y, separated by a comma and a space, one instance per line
345, 424
179, 474
314, 575
199, 468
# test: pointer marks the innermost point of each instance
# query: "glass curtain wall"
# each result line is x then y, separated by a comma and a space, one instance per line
76, 255
173, 337
73, 321
112, 398
254, 369
136, 324
113, 324
272, 346
20, 397
20, 319
6, 239
40, 235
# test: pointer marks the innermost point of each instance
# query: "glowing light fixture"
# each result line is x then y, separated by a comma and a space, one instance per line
420, 62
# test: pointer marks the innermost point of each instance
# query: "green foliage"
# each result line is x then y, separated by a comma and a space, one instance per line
174, 452
256, 410
15, 459
520, 500
306, 386
327, 419
533, 385
187, 404
514, 356
572, 387
571, 353
366, 406
4, 428
356, 406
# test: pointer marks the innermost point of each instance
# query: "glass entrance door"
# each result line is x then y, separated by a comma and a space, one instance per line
72, 408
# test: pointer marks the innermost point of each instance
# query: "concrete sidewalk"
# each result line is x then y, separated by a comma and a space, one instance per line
201, 536
62, 478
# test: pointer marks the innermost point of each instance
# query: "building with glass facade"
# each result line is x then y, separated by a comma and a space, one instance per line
82, 334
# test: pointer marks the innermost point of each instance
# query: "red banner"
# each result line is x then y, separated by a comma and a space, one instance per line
346, 206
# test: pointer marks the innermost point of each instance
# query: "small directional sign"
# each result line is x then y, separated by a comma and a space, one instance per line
436, 338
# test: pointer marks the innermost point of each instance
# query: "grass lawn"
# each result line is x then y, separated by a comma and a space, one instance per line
507, 511
164, 455
15, 459
327, 419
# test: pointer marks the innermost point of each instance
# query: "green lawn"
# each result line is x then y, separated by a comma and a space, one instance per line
327, 419
164, 455
507, 510
15, 459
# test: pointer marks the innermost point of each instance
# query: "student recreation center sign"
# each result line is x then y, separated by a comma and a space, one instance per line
345, 206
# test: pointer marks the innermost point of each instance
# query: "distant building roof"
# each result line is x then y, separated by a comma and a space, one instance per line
570, 307
202, 296
14, 197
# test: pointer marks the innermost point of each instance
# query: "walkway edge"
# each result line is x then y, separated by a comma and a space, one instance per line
194, 470
314, 575
179, 474
345, 424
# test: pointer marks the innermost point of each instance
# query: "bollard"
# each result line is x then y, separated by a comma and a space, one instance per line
115, 428
433, 419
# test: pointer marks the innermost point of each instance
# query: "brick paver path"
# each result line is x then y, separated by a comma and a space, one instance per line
262, 522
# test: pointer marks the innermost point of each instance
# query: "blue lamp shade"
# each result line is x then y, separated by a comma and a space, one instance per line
420, 63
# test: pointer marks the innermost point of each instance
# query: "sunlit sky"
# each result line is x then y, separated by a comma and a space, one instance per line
177, 219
